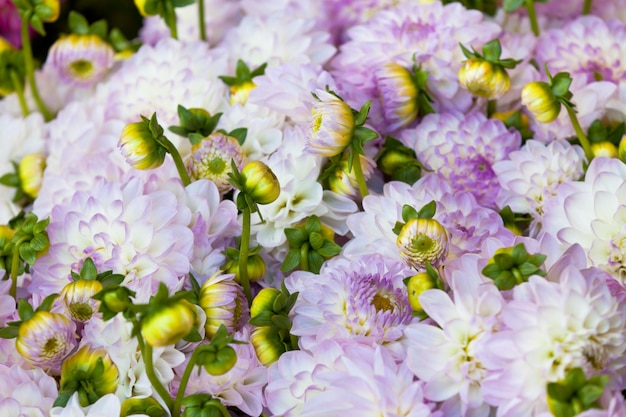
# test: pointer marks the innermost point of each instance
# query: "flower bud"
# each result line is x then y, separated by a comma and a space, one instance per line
393, 159
211, 159
621, 150
423, 241
144, 406
344, 182
256, 268
267, 344
81, 59
223, 301
45, 339
77, 299
54, 6
5, 45
117, 300
140, 148
398, 95
539, 99
30, 171
220, 362
332, 125
92, 382
264, 301
167, 325
484, 79
141, 6
604, 148
416, 285
260, 183
239, 92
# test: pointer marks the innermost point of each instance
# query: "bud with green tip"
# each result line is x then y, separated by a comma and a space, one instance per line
575, 393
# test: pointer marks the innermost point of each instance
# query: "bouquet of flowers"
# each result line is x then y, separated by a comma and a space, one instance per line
315, 208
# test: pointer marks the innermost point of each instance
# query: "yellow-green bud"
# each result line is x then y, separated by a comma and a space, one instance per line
141, 6
484, 79
55, 7
92, 385
344, 182
220, 362
604, 148
263, 301
256, 268
77, 299
260, 183
239, 92
224, 303
423, 241
267, 344
168, 324
139, 147
45, 339
416, 285
144, 406
117, 300
621, 151
5, 45
539, 99
30, 171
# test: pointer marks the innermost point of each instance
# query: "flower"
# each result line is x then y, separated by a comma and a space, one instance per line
224, 303
30, 171
484, 79
539, 99
77, 299
46, 339
80, 60
398, 95
210, 159
332, 125
260, 183
30, 391
107, 405
423, 241
167, 324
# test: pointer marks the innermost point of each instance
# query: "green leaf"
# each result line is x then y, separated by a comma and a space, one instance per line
295, 236
291, 261
408, 213
195, 138
512, 5
239, 134
27, 253
492, 51
46, 304
193, 336
527, 269
24, 310
260, 70
397, 228
491, 271
428, 211
41, 225
316, 240
597, 132
560, 391
575, 379
537, 259
315, 262
183, 3
361, 116
63, 398
504, 261
505, 281
519, 254
43, 11
10, 180
9, 332
39, 242
329, 249
468, 54
363, 134
264, 318
242, 72
281, 322
229, 81
313, 224
37, 24
561, 83
100, 29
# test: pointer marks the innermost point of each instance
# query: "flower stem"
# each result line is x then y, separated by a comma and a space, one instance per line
491, 107
30, 70
146, 354
243, 255
201, 20
530, 6
180, 166
358, 173
170, 18
183, 382
304, 257
19, 90
582, 138
587, 7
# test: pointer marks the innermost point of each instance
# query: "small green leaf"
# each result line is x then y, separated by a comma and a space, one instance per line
408, 213
281, 322
315, 262
193, 336
468, 54
527, 269
194, 138
239, 134
291, 261
37, 24
296, 236
63, 398
24, 309
560, 391
264, 318
361, 116
329, 249
561, 83
88, 271
491, 271
27, 253
41, 225
100, 29
518, 254
316, 240
505, 281
313, 224
39, 242
9, 332
10, 180
46, 304
492, 51
428, 211
397, 228
363, 134
597, 132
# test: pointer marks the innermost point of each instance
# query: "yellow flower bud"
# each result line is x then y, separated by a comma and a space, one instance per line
140, 148
256, 268
416, 285
332, 125
77, 301
484, 79
55, 7
45, 339
604, 148
81, 367
398, 95
30, 171
5, 45
141, 6
421, 241
260, 183
168, 324
267, 344
147, 405
621, 151
223, 301
239, 92
344, 182
263, 301
539, 99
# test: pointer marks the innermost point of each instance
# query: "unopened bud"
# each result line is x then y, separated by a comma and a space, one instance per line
30, 171
167, 325
140, 148
77, 299
604, 148
260, 183
423, 241
484, 79
416, 285
539, 99
267, 344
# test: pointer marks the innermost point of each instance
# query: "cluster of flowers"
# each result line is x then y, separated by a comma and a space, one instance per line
316, 208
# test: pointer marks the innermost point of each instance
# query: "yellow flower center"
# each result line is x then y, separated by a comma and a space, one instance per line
382, 303
81, 68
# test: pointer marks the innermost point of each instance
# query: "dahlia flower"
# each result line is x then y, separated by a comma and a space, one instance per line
592, 214
332, 125
106, 406
361, 300
530, 177
46, 339
224, 303
26, 392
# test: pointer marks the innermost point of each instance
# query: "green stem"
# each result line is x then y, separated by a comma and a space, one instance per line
304, 257
587, 7
243, 255
180, 166
201, 20
30, 70
582, 138
170, 18
530, 6
180, 395
358, 173
146, 354
15, 260
19, 90
491, 107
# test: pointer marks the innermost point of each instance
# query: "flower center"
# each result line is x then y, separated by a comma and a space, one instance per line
382, 303
51, 347
81, 68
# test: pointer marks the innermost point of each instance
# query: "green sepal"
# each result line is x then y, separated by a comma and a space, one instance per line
512, 5
10, 180
63, 398
428, 211
193, 336
361, 116
492, 50
77, 23
329, 249
409, 212
47, 303
37, 24
183, 3
315, 262
560, 84
240, 134
24, 309
291, 261
9, 332
264, 318
363, 134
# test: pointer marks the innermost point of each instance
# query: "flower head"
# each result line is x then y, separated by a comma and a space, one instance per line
81, 60
332, 125
30, 171
484, 79
77, 299
223, 301
139, 146
45, 339
539, 99
260, 183
423, 241
398, 95
167, 324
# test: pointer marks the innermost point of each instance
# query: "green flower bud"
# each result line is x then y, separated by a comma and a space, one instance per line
260, 183
167, 325
54, 6
140, 148
220, 362
539, 99
30, 171
77, 299
267, 344
264, 301
116, 300
256, 268
423, 241
484, 79
621, 151
416, 285
148, 406
604, 148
